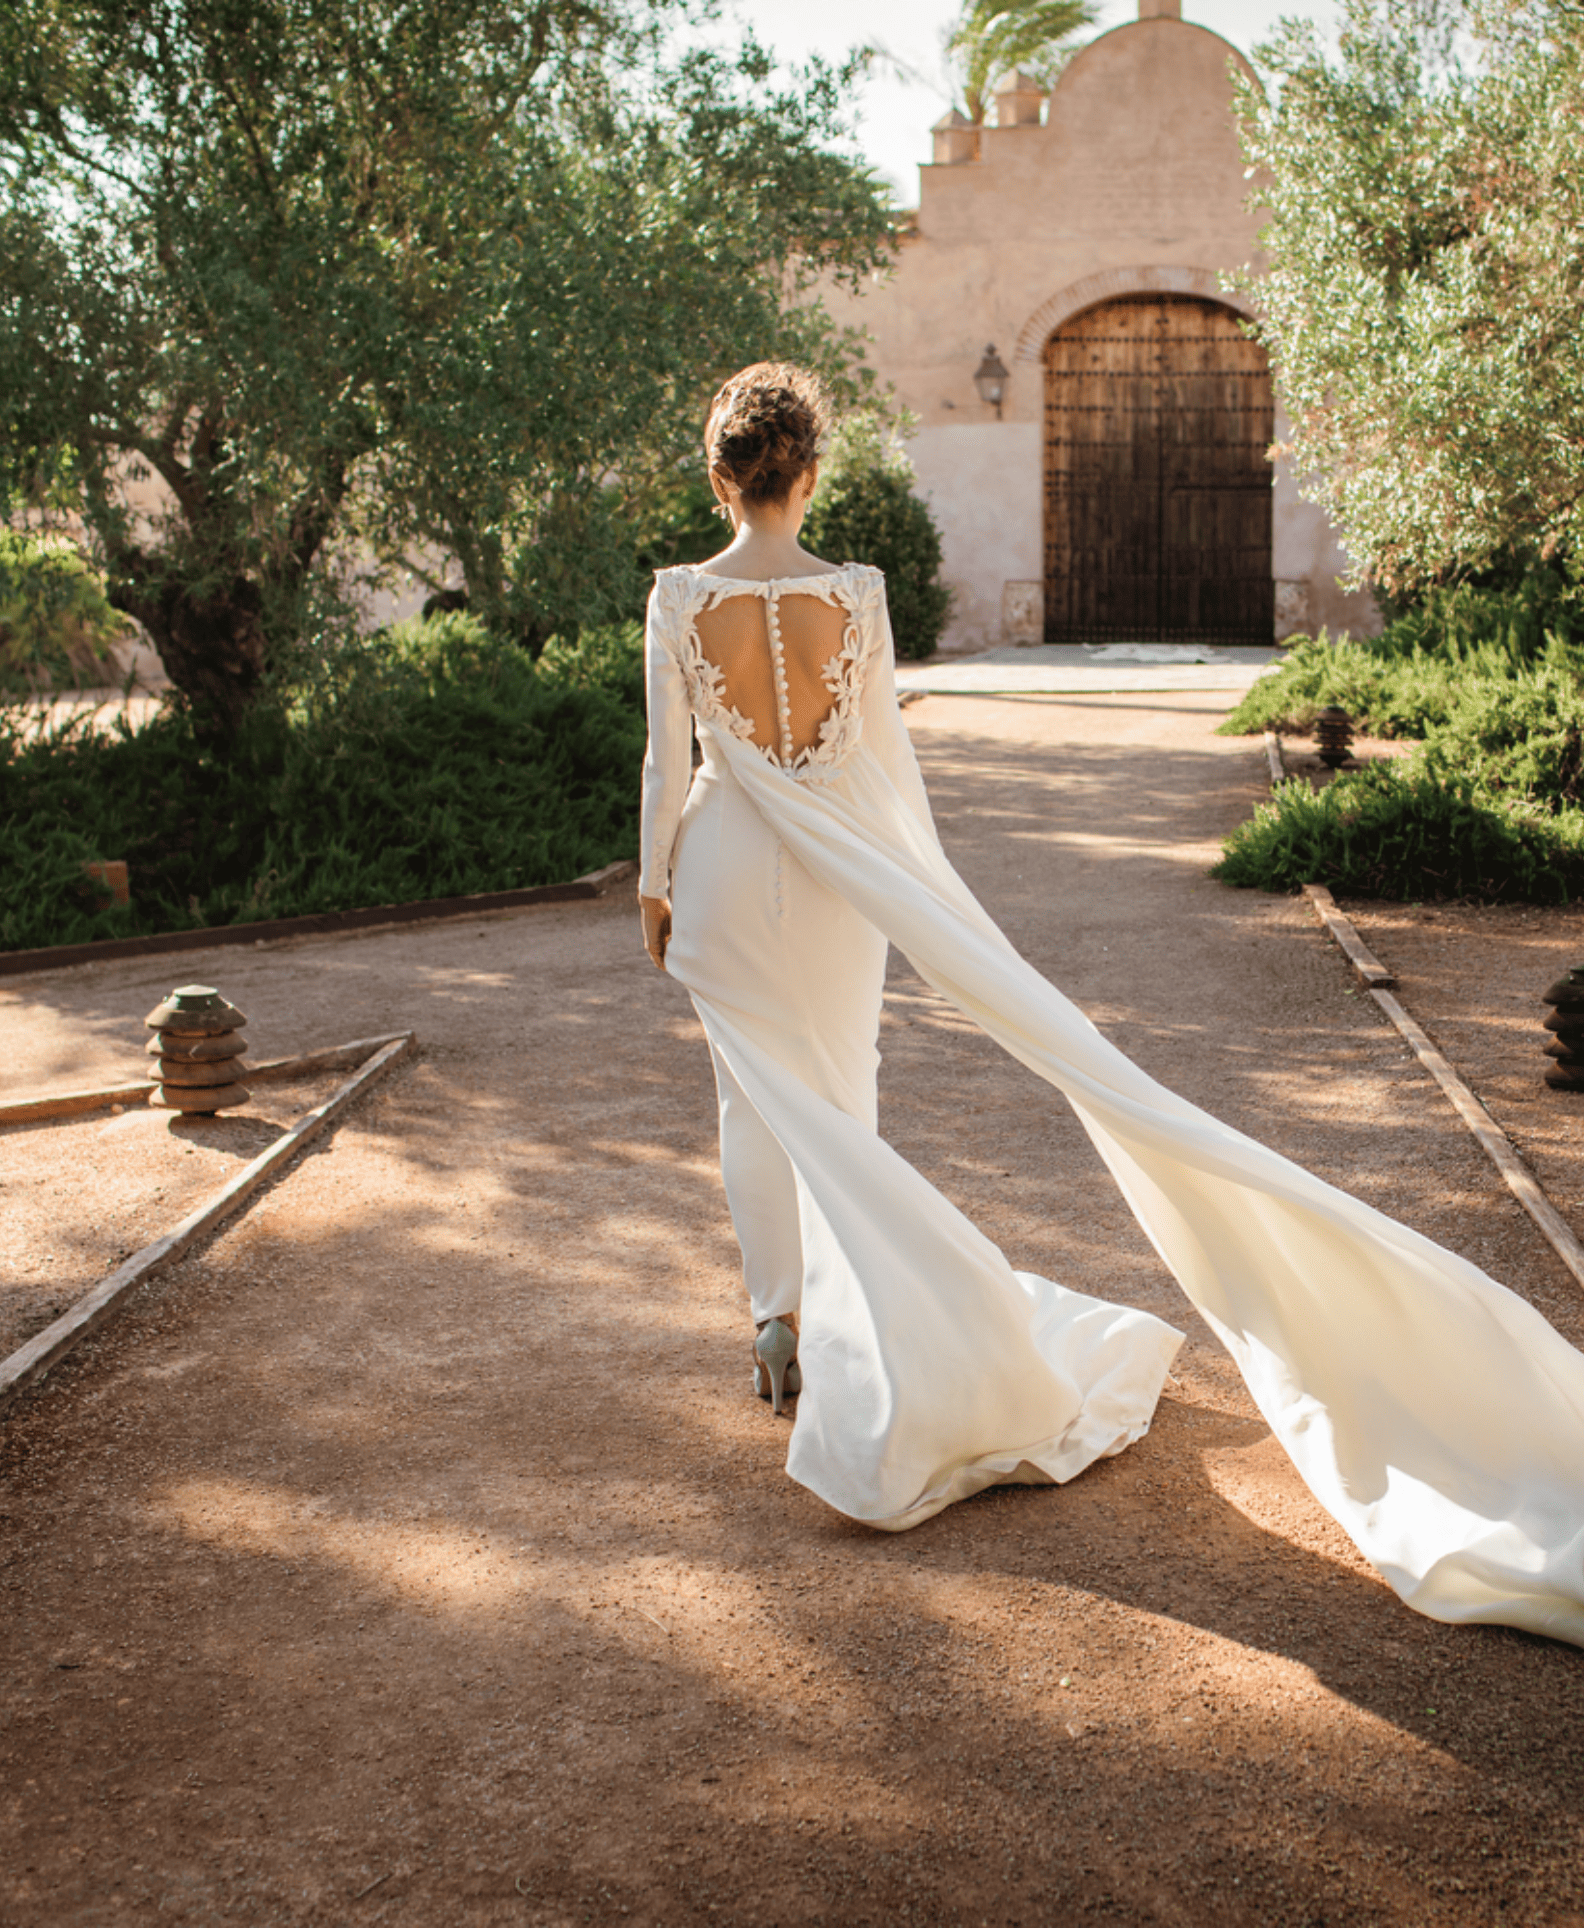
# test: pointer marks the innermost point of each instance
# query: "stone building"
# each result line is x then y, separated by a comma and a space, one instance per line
1121, 488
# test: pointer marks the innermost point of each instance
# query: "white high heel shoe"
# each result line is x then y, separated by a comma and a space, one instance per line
775, 1362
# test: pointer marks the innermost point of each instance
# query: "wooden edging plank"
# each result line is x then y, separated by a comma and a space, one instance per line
1498, 1147
32, 1361
29, 1111
335, 1057
325, 923
1369, 967
1493, 1141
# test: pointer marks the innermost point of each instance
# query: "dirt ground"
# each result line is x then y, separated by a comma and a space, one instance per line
79, 1195
416, 1552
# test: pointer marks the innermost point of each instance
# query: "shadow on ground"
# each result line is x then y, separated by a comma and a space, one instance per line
417, 1553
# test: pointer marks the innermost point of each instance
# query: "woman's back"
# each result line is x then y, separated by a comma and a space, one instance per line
777, 651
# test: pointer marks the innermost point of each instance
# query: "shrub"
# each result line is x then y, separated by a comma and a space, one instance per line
1519, 609
864, 510
55, 624
610, 659
1406, 833
1316, 672
1488, 806
1408, 680
1519, 739
678, 524
430, 763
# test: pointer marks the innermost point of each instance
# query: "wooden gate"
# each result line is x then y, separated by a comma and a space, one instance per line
1157, 491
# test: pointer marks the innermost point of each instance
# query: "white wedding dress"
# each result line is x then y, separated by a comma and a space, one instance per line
1433, 1413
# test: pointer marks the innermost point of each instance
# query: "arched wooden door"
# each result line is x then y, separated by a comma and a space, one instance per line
1157, 492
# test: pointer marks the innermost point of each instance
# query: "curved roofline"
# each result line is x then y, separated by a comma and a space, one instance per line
1160, 20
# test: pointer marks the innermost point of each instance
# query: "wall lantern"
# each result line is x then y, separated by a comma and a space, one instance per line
991, 378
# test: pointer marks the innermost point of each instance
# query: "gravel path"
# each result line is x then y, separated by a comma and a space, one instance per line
415, 1553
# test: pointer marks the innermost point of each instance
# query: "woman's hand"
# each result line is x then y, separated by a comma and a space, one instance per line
656, 914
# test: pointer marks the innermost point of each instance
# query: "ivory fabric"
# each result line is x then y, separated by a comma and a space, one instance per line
1433, 1413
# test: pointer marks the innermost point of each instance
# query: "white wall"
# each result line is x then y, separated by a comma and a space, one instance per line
983, 481
1308, 562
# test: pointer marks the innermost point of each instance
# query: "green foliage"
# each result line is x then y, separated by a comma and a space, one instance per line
1519, 739
679, 524
1388, 696
1489, 804
864, 510
992, 39
1425, 242
432, 763
362, 276
1406, 681
610, 659
1407, 833
55, 623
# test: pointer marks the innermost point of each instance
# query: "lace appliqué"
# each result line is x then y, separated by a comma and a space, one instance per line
842, 675
706, 689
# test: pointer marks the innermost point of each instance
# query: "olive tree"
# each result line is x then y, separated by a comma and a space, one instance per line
344, 279
1425, 242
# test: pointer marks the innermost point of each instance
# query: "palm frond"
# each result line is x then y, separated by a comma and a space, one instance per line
993, 38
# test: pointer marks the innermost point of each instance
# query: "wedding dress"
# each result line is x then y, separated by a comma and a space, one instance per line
1433, 1413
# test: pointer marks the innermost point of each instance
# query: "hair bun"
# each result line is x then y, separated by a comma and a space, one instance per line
765, 428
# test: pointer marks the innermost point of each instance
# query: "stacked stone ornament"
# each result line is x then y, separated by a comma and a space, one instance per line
1566, 997
199, 1044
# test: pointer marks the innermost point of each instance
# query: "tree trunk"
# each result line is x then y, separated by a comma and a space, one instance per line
213, 647
491, 597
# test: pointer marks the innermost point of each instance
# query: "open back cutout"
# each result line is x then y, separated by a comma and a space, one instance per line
747, 636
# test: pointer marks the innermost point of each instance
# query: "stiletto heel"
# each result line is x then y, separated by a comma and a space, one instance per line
775, 1362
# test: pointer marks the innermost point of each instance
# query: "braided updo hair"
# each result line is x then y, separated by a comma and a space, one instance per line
765, 428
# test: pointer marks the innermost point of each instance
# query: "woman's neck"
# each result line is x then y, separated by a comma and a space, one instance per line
754, 558
765, 543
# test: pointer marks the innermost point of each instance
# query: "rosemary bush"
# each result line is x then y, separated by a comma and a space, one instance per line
1489, 805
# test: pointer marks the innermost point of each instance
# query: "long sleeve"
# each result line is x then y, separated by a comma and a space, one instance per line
886, 733
668, 761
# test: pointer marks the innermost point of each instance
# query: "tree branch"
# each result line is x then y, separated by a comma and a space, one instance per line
49, 130
261, 164
188, 491
316, 512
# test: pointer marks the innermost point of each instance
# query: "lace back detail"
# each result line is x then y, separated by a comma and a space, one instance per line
855, 589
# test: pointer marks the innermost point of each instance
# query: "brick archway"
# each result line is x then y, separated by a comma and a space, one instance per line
1205, 283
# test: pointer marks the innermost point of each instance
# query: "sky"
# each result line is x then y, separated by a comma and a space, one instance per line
895, 114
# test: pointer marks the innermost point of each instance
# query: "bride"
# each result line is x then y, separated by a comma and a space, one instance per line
1432, 1412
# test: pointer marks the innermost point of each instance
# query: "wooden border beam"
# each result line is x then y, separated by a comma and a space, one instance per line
1498, 1147
33, 1111
67, 1104
1493, 1141
47, 1348
323, 923
1370, 969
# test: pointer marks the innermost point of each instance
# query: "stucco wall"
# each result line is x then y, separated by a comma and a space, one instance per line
983, 481
1133, 183
1308, 563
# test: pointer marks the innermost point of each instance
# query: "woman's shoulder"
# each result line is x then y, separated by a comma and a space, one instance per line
865, 584
688, 573
682, 589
